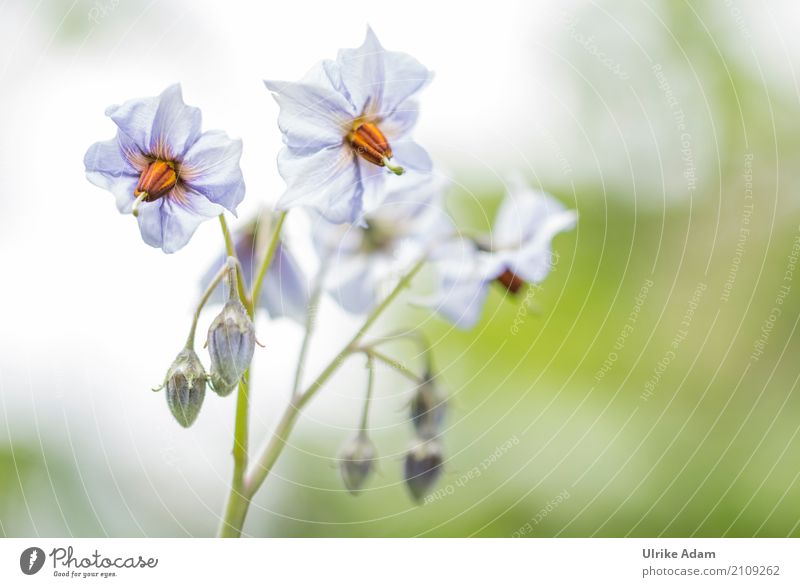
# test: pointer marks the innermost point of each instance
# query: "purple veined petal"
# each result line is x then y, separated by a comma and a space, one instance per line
150, 219
176, 126
161, 126
285, 289
328, 181
379, 81
411, 156
400, 122
108, 168
181, 217
362, 73
211, 167
169, 223
314, 112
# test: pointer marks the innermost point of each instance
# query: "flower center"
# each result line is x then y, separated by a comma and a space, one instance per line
368, 141
510, 281
156, 180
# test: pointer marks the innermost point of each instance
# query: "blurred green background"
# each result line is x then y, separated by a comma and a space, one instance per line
673, 129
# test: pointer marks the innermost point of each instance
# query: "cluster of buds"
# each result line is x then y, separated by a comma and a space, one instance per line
231, 343
423, 462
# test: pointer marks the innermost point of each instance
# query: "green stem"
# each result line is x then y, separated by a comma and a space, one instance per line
262, 271
238, 500
236, 508
231, 251
311, 320
413, 336
272, 450
368, 399
390, 362
204, 299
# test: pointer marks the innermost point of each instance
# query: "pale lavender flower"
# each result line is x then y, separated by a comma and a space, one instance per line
161, 168
362, 256
518, 252
346, 128
284, 292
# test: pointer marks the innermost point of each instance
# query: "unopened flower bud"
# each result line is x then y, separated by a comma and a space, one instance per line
356, 462
231, 342
186, 387
428, 408
423, 467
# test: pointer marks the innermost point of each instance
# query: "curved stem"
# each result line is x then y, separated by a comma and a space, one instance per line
204, 299
231, 251
414, 336
265, 262
272, 450
393, 363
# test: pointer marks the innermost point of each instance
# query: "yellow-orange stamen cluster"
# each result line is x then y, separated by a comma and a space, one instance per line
368, 141
158, 178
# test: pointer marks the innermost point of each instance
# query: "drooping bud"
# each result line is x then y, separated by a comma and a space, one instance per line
423, 467
231, 342
156, 180
369, 142
428, 408
356, 462
511, 281
185, 387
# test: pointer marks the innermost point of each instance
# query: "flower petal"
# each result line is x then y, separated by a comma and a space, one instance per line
161, 126
362, 73
400, 122
314, 112
411, 156
462, 288
285, 289
150, 221
377, 80
108, 168
533, 260
169, 223
175, 125
522, 214
354, 284
211, 167
373, 186
328, 181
